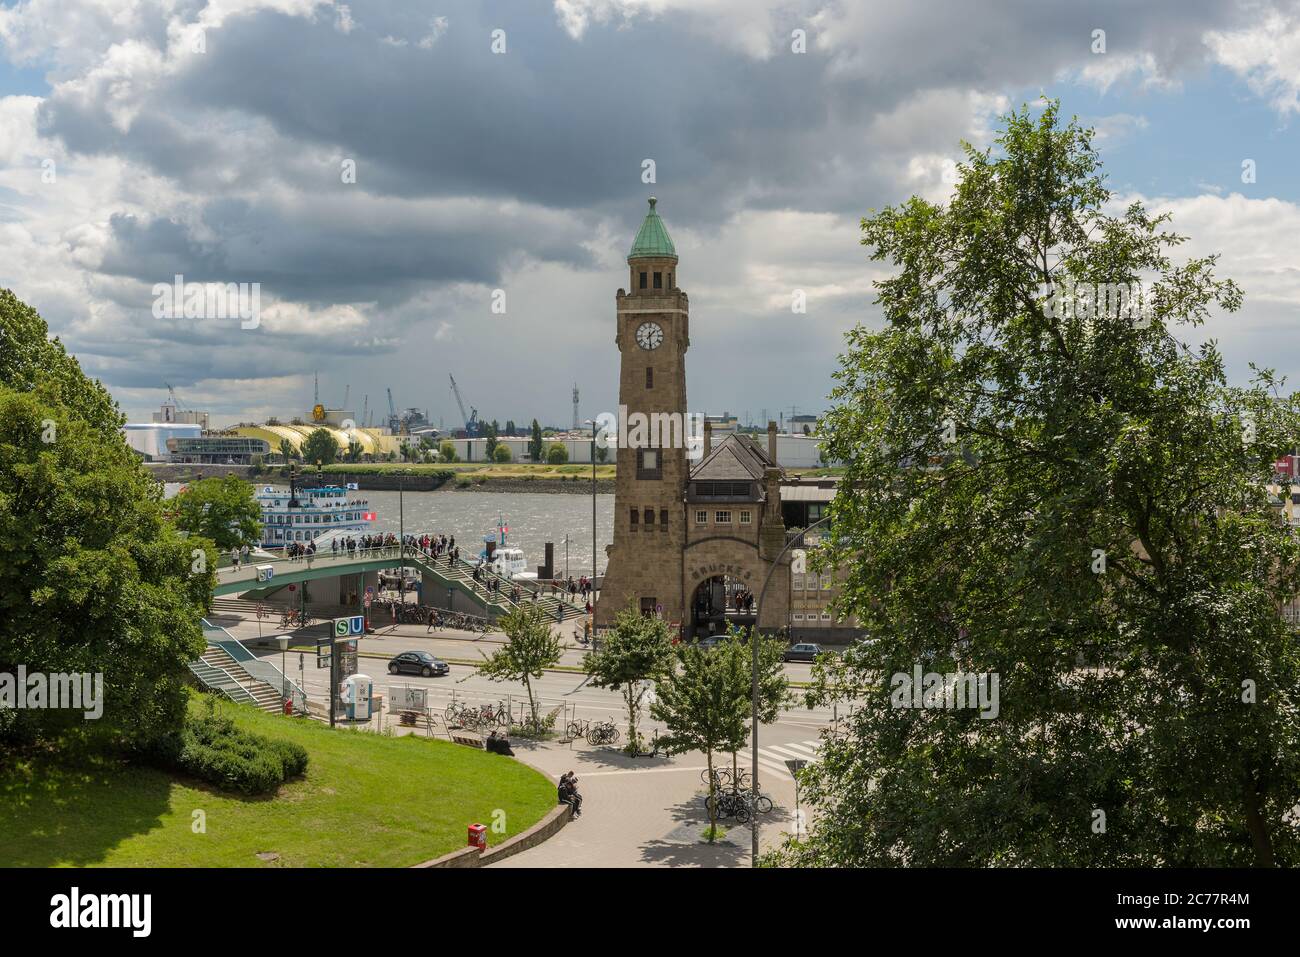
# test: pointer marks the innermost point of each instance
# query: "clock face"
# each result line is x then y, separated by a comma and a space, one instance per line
649, 335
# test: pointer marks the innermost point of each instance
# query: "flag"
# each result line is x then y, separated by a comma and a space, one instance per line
352, 486
368, 516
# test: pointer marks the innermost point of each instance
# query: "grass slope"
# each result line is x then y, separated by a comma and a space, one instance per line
366, 800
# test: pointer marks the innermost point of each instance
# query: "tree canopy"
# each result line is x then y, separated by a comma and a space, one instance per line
1048, 486
94, 579
224, 510
319, 448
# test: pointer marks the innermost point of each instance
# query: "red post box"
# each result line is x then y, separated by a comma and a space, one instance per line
478, 836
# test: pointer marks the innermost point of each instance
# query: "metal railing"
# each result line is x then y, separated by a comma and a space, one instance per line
258, 668
208, 673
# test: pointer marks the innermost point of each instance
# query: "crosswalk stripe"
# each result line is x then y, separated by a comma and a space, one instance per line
796, 751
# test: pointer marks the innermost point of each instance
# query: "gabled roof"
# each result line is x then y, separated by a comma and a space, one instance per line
652, 240
734, 458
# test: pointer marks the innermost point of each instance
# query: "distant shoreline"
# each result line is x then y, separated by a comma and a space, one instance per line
437, 481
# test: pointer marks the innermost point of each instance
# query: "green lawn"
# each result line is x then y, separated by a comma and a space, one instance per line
366, 800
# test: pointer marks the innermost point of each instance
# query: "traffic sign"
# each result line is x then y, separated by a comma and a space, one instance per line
795, 765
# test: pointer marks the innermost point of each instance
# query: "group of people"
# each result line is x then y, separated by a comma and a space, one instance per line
569, 795
575, 587
350, 545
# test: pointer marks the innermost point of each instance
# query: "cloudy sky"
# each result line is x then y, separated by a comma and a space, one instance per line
144, 138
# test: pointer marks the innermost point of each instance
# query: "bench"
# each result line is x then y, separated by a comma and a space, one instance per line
470, 741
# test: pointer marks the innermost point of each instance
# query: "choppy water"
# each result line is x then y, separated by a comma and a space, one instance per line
534, 519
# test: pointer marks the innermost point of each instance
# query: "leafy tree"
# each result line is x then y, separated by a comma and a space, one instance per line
557, 454
490, 435
531, 647
702, 708
510, 427
320, 447
288, 451
224, 510
1071, 499
501, 454
602, 454
354, 450
535, 443
636, 650
773, 691
447, 451
94, 579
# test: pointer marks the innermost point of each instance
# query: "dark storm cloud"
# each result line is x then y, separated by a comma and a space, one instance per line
471, 163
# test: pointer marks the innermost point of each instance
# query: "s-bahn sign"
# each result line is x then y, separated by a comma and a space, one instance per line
349, 627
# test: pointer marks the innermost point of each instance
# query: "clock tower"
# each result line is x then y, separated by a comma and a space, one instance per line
644, 567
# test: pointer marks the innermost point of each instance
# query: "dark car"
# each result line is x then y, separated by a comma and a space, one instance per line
417, 663
805, 651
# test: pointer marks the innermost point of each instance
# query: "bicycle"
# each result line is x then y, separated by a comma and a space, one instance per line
602, 732
577, 728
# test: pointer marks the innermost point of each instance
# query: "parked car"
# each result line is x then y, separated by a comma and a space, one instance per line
805, 651
711, 641
417, 663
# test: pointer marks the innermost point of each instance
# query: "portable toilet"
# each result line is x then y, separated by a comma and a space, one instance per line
356, 693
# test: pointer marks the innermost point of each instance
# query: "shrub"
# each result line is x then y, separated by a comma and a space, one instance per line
213, 749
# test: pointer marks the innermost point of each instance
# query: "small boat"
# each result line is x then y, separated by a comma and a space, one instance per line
504, 559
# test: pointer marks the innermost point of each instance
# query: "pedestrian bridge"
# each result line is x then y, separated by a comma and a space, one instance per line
457, 575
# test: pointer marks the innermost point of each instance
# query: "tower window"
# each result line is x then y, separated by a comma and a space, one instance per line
670, 280
647, 464
643, 280
701, 517
659, 280
636, 517
649, 516
663, 517
649, 377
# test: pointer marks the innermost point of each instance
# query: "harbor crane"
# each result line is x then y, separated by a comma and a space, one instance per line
470, 420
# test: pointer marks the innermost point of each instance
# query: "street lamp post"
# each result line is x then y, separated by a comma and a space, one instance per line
592, 423
753, 647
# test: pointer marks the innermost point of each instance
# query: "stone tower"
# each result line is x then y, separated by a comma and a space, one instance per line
652, 335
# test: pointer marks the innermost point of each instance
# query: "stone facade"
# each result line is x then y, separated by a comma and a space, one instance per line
662, 554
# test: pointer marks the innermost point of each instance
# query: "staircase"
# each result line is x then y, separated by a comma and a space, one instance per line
220, 672
557, 607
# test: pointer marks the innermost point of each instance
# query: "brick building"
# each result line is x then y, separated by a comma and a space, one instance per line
695, 537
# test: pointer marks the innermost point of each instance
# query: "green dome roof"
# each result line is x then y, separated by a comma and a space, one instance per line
652, 240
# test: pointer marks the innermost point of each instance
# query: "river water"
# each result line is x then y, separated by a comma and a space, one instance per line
534, 518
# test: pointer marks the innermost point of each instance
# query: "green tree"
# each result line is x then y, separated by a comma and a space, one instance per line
447, 451
535, 443
510, 427
224, 510
557, 454
94, 579
531, 647
490, 436
501, 454
320, 447
701, 705
602, 454
1063, 495
773, 691
636, 651
288, 451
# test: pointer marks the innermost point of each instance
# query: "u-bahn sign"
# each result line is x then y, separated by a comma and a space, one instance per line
349, 627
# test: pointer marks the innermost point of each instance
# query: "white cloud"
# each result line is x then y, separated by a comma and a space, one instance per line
1267, 56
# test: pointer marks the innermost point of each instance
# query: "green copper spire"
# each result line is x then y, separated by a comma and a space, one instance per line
652, 240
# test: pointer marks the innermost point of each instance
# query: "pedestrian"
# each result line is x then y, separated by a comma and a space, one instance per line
234, 558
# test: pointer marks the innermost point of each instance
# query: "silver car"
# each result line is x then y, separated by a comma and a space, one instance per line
805, 651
